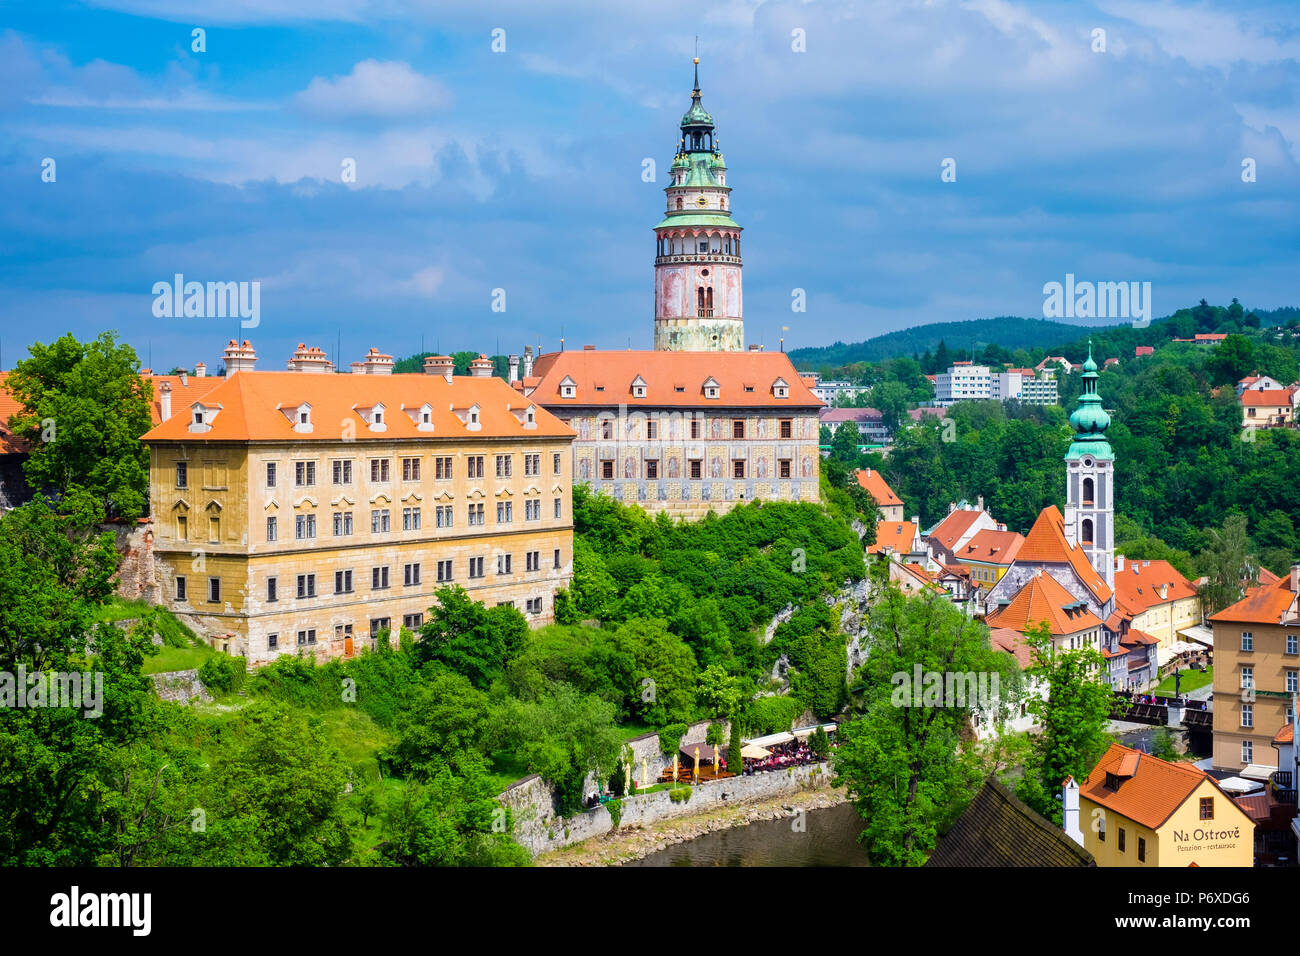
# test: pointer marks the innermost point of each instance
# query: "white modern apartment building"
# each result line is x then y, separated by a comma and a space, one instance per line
965, 381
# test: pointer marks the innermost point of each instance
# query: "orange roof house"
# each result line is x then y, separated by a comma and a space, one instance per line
1266, 604
992, 547
587, 377
269, 406
873, 482
1044, 600
1046, 544
1152, 812
894, 536
1140, 585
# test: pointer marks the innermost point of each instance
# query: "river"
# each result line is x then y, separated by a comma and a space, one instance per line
829, 838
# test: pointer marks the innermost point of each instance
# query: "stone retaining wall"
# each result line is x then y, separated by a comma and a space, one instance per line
537, 828
180, 686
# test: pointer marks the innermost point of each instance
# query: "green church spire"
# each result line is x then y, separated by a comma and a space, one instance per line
1089, 420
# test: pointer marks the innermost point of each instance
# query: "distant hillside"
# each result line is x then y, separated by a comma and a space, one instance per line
1010, 332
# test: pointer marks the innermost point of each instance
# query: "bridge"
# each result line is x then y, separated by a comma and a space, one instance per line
1155, 710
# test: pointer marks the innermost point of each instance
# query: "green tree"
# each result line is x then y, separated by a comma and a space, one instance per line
469, 638
1073, 716
1226, 564
906, 767
84, 408
735, 762
844, 446
448, 819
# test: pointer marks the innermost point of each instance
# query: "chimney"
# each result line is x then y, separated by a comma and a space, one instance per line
481, 367
239, 357
310, 359
979, 503
1119, 562
952, 506
439, 365
185, 378
1295, 578
200, 370
165, 401
1070, 807
358, 368
377, 363
589, 348
514, 369
528, 360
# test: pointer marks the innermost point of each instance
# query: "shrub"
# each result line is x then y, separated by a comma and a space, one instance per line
223, 672
680, 795
615, 808
670, 738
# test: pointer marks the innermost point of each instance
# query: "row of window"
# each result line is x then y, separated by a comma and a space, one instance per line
1248, 679
694, 469
1120, 842
444, 571
304, 525
378, 625
381, 469
739, 429
1248, 643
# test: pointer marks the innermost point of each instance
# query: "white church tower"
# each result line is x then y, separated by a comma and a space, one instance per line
1090, 479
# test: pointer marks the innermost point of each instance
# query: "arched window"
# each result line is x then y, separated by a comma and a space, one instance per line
679, 202
699, 301
708, 298
1087, 491
1085, 531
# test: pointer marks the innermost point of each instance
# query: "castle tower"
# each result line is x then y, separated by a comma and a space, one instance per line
698, 304
1090, 479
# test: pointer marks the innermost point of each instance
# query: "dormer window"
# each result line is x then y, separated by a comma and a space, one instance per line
638, 387
202, 417
568, 388
711, 387
304, 418
780, 389
421, 416
379, 416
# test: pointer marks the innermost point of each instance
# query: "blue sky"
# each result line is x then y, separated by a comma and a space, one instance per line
522, 170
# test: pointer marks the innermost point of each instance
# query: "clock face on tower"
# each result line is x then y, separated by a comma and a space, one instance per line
702, 201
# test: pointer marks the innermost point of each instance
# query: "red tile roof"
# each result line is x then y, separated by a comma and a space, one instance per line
259, 406
9, 406
1268, 397
1286, 735
1046, 543
1013, 642
874, 483
898, 535
1043, 599
992, 547
1151, 794
1265, 604
949, 531
745, 379
182, 395
1137, 587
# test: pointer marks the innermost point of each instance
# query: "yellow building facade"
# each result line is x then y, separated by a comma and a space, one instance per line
1256, 672
314, 511
1139, 811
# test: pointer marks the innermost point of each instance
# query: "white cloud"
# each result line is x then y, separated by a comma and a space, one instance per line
383, 90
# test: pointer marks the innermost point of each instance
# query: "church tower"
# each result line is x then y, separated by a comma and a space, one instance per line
1090, 479
697, 257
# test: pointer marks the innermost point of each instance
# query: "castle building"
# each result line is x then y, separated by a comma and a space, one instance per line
305, 510
700, 423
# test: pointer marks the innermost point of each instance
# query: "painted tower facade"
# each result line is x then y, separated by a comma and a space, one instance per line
698, 303
1090, 479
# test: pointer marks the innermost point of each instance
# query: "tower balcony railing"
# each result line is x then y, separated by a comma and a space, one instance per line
697, 257
704, 313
